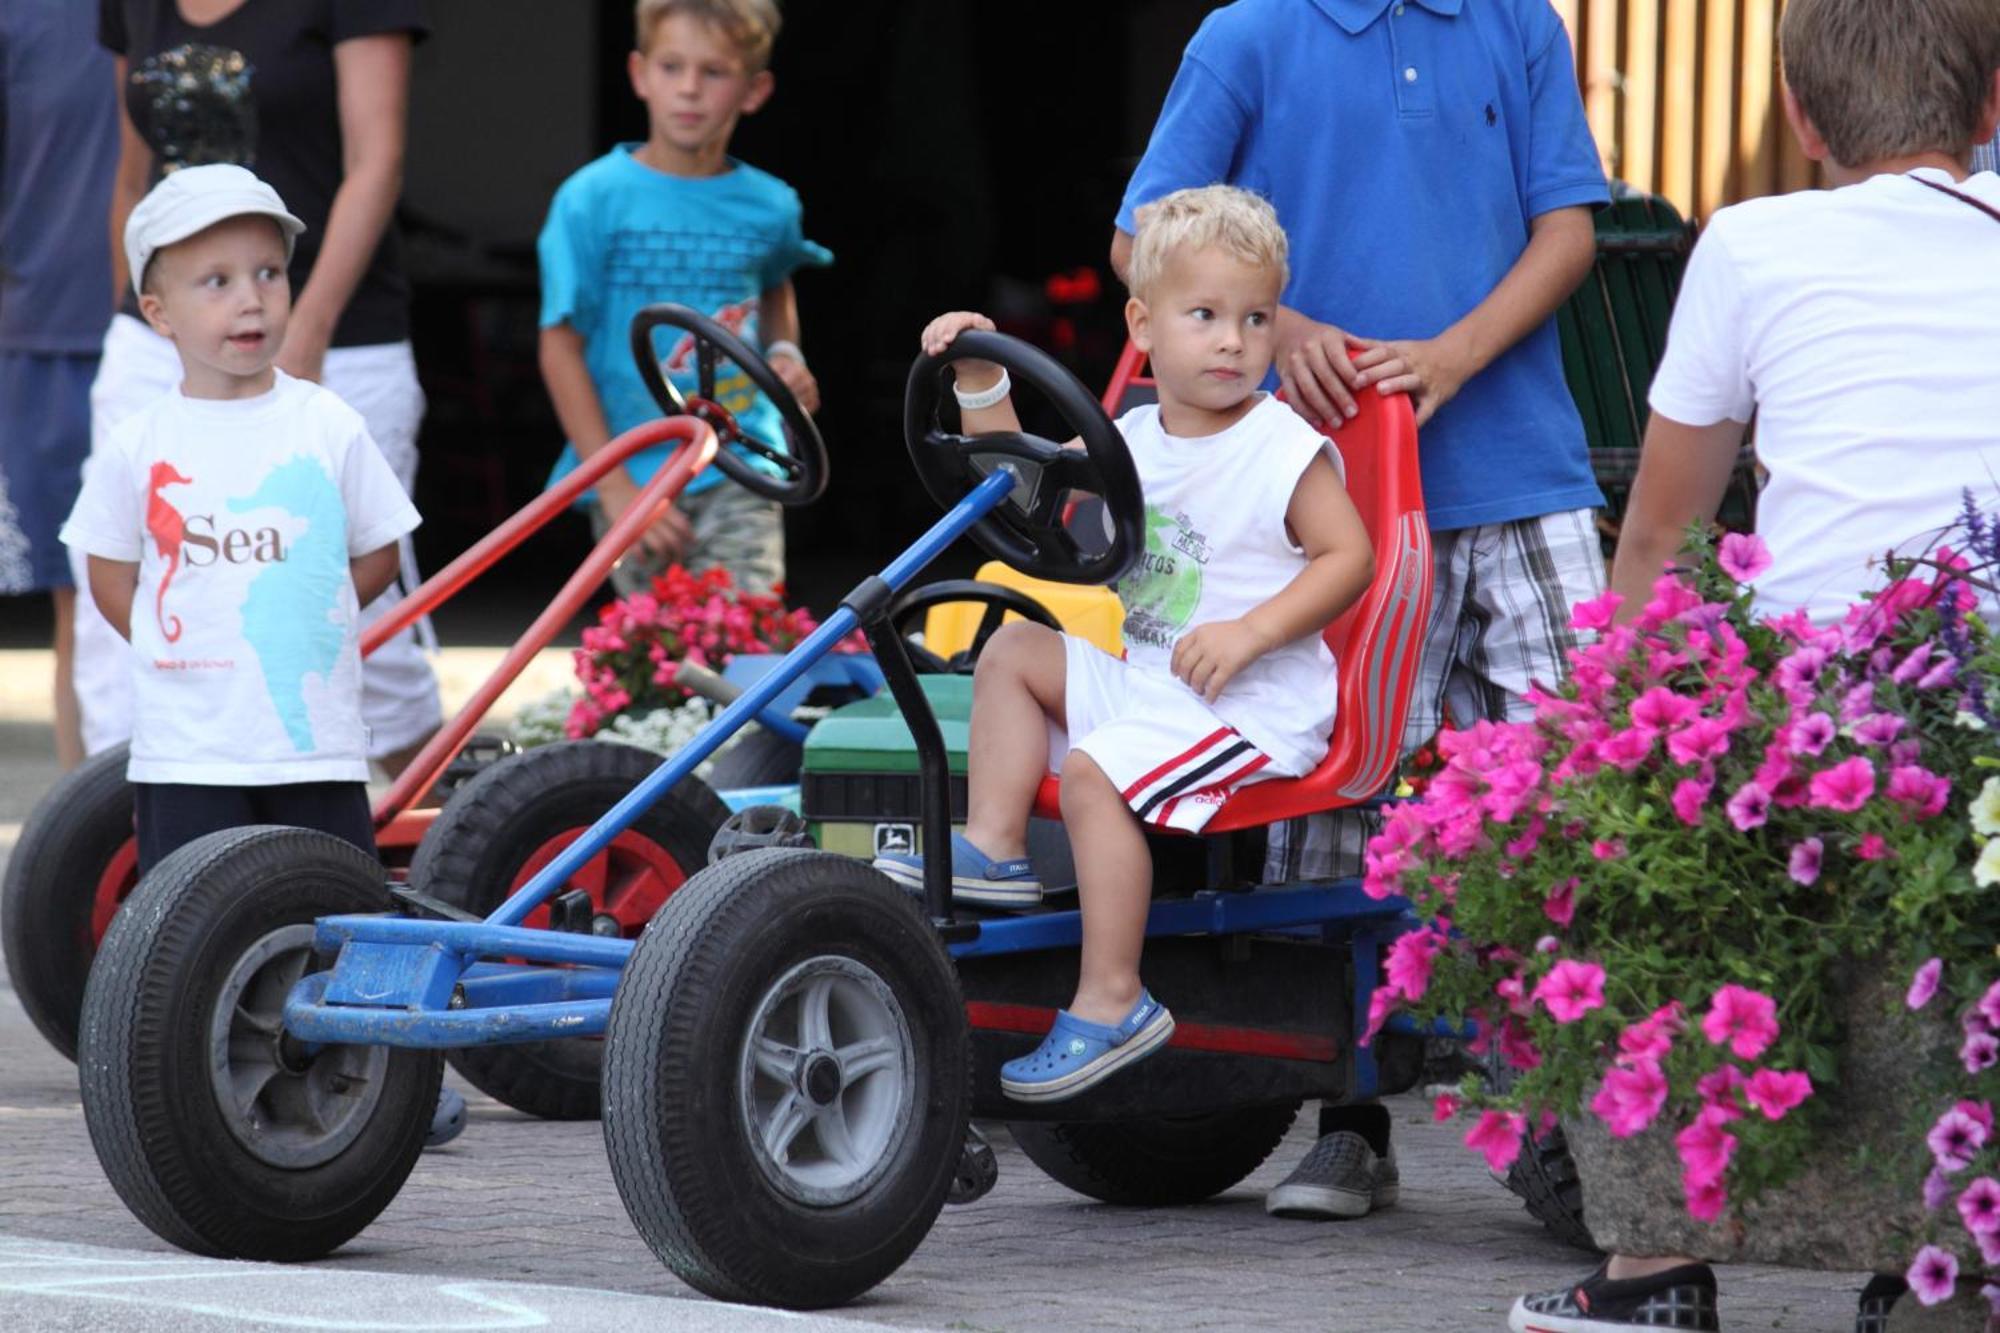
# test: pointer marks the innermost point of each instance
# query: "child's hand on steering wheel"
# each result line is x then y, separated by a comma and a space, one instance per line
1208, 656
798, 379
973, 375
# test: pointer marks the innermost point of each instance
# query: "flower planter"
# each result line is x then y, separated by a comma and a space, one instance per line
1856, 1208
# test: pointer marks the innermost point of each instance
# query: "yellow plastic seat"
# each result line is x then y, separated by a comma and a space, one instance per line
1091, 613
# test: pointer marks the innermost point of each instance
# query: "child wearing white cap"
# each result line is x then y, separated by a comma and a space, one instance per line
257, 516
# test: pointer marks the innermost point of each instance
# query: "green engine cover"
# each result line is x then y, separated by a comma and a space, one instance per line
858, 782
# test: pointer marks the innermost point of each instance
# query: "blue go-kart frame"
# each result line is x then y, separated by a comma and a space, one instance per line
432, 983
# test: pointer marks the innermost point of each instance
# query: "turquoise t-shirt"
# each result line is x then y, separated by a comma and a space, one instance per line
621, 235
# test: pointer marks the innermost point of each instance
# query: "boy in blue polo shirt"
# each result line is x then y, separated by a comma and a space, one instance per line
677, 219
1430, 161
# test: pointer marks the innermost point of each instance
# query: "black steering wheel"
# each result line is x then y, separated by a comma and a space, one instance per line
998, 599
1026, 530
803, 466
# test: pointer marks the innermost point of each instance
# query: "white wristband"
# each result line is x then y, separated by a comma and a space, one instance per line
972, 402
784, 347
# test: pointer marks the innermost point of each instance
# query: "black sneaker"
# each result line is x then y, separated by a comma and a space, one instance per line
1340, 1176
1681, 1298
1871, 1315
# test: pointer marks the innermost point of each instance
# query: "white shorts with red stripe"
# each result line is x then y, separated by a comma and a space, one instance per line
1174, 759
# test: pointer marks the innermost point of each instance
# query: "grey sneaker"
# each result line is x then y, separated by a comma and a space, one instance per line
1340, 1176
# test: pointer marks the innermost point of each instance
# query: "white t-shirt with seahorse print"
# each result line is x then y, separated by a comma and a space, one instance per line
1216, 548
242, 516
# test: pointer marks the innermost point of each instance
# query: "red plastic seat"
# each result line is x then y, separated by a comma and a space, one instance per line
1376, 642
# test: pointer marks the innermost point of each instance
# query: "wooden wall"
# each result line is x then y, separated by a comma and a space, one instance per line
1683, 96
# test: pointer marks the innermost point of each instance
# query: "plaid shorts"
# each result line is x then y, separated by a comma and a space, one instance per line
1500, 608
741, 532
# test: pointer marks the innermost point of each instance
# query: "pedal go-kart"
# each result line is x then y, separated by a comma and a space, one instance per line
794, 1046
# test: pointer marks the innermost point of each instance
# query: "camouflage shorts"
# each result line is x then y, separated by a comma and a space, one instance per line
741, 532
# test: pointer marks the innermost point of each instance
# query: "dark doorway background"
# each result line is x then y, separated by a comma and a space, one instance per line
951, 153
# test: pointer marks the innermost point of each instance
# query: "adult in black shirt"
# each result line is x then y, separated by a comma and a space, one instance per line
313, 96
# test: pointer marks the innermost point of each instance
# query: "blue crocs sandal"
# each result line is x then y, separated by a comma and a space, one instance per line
1077, 1055
975, 877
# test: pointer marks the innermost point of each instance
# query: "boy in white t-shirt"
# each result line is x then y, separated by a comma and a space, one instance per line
1858, 325
1252, 548
234, 530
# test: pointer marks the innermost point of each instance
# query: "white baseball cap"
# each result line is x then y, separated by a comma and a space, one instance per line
194, 199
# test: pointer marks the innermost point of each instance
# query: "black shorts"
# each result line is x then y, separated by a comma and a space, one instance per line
172, 814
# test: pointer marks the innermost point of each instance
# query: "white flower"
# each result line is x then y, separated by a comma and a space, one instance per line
542, 721
1970, 721
1986, 870
1986, 809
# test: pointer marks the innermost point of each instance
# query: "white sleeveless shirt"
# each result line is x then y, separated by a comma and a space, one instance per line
1216, 548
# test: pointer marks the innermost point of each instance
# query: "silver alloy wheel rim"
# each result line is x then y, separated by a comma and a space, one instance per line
826, 1080
288, 1108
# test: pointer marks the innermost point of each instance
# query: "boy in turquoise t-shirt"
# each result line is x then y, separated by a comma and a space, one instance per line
677, 219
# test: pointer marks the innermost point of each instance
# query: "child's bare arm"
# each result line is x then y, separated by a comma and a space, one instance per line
112, 586
1562, 245
374, 572
1340, 562
778, 322
1683, 472
574, 394
972, 376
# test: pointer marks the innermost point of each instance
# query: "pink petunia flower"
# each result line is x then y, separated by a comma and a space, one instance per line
1608, 849
1745, 1019
1872, 847
1937, 1190
1703, 739
1979, 1206
1661, 709
1690, 795
1979, 1053
1775, 1093
1445, 1107
1924, 983
1517, 1048
1749, 807
1560, 905
1805, 861
1878, 729
1571, 990
1918, 790
1989, 1007
1630, 1098
1933, 1274
1705, 1199
1597, 613
1381, 1003
1846, 786
1705, 1146
1408, 966
1718, 1088
1652, 1037
1498, 1136
1955, 1139
1627, 749
1810, 734
1980, 1111
1743, 556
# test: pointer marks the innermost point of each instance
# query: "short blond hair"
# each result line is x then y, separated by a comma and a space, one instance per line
1883, 79
1222, 217
751, 24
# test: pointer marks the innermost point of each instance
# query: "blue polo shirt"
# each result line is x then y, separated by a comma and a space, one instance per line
1406, 145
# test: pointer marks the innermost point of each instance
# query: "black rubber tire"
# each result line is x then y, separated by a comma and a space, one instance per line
673, 1126
490, 828
757, 758
147, 1098
1156, 1163
46, 901
1544, 1177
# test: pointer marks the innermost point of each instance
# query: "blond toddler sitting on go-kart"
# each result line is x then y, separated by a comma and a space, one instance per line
1252, 548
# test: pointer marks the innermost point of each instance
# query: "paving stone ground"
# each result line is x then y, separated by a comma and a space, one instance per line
525, 1201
